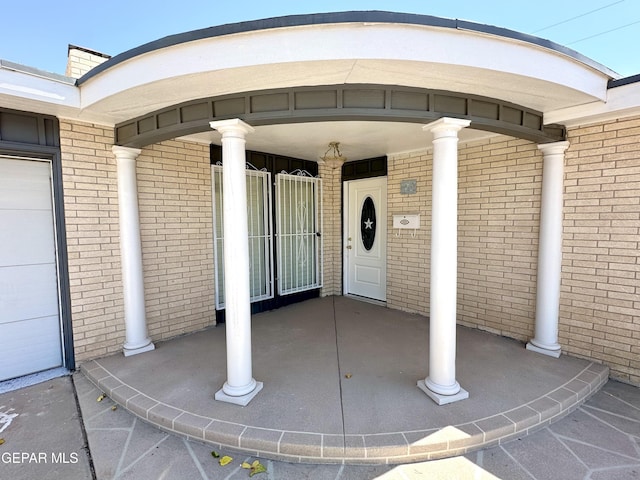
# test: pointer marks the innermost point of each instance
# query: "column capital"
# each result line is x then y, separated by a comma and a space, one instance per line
445, 125
232, 127
554, 148
125, 152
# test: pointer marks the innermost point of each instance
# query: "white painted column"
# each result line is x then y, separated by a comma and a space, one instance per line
545, 340
240, 387
441, 385
136, 336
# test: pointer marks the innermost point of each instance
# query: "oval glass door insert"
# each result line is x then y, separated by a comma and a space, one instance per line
368, 223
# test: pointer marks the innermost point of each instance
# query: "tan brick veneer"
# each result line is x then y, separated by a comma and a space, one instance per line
175, 215
408, 257
81, 60
331, 230
91, 217
174, 192
498, 206
498, 226
600, 298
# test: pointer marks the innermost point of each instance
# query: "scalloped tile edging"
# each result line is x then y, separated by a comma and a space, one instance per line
386, 448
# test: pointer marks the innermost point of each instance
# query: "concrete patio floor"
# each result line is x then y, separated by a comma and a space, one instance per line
310, 412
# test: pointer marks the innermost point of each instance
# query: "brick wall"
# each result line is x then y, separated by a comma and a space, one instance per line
498, 226
498, 223
175, 214
407, 256
91, 217
331, 230
600, 298
498, 214
81, 60
174, 194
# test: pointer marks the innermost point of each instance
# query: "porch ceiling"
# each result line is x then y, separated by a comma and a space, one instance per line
358, 139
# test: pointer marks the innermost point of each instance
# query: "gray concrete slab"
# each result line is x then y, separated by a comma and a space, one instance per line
124, 447
294, 356
340, 386
42, 433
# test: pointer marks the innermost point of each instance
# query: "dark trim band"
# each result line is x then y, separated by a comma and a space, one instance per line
338, 103
620, 82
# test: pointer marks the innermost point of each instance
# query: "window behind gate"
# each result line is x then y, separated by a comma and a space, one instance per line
284, 220
260, 235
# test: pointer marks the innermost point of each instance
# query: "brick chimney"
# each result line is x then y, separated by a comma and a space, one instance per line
80, 60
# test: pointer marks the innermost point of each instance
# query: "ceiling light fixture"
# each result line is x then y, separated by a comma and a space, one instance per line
332, 157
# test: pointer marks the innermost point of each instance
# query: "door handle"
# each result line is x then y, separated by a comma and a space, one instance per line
348, 247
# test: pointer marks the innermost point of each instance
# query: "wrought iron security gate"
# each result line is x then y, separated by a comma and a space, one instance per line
298, 220
298, 248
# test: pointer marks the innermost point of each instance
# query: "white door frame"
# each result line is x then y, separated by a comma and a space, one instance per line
348, 246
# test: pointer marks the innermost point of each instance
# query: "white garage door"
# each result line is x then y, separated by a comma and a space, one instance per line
30, 339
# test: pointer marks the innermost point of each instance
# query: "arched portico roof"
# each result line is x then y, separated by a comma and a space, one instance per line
392, 51
335, 18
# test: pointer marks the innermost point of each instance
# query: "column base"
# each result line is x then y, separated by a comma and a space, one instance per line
134, 351
545, 351
242, 400
442, 399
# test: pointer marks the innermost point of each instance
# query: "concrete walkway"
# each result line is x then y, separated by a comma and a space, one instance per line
598, 441
42, 433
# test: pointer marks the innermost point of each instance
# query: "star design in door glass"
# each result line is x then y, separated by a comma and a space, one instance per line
368, 224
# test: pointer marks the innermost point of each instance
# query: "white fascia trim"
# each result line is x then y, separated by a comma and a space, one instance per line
621, 102
30, 90
291, 45
22, 86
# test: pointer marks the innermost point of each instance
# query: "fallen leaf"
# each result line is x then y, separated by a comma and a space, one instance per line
226, 460
114, 407
100, 398
256, 468
348, 375
245, 465
1, 441
215, 454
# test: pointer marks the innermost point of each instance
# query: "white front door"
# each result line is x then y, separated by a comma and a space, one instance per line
365, 238
30, 338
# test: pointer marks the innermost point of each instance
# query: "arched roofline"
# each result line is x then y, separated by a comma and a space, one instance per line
337, 18
337, 103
